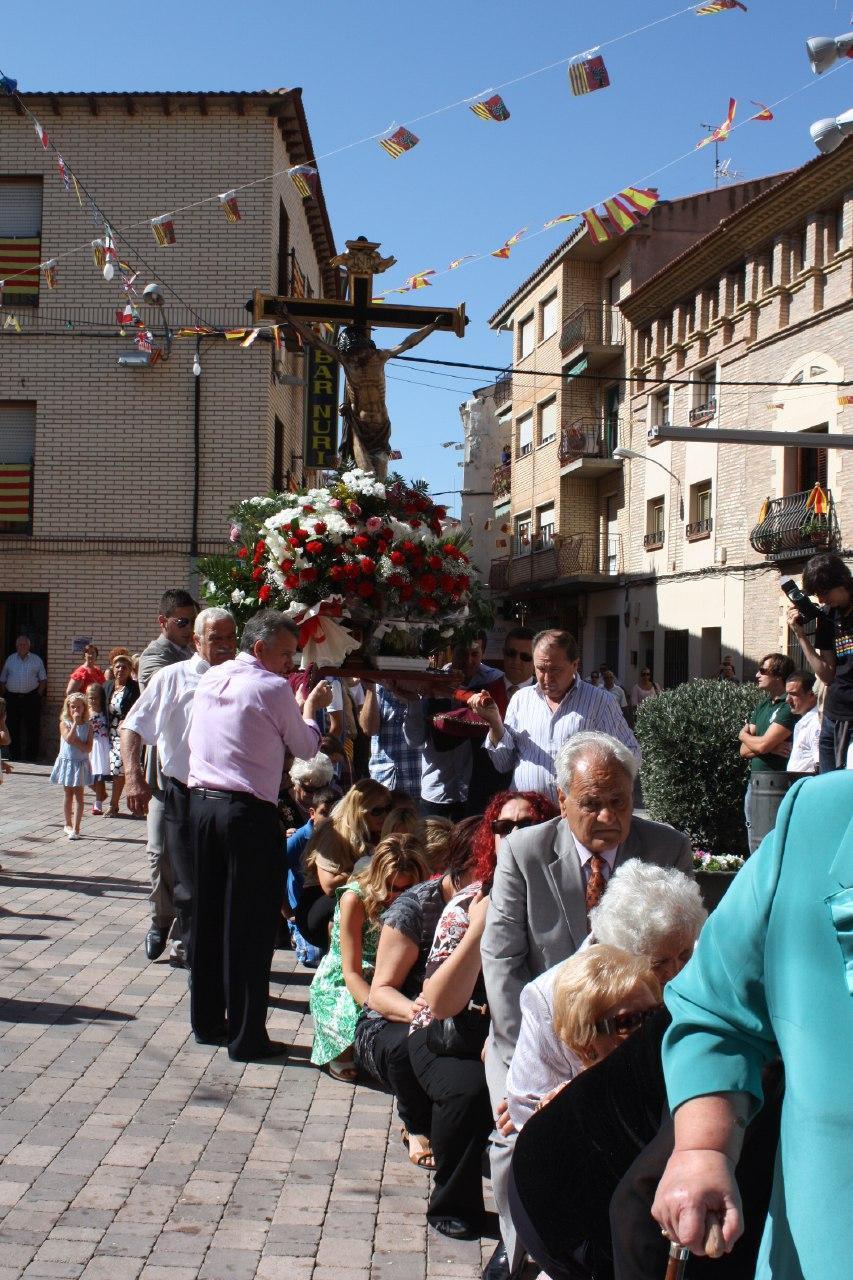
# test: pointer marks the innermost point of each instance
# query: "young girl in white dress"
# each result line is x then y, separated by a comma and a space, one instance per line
72, 770
100, 758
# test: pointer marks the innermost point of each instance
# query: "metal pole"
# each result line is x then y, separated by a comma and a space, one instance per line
743, 435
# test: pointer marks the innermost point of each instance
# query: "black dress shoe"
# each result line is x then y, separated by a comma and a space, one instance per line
497, 1268
456, 1228
272, 1049
155, 942
219, 1037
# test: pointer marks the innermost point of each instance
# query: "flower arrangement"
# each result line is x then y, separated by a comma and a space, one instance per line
725, 864
359, 549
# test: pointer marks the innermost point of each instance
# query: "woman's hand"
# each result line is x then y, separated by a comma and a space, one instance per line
477, 912
795, 621
503, 1120
698, 1185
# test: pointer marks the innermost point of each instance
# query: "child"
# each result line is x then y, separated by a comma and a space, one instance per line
341, 984
5, 740
71, 769
323, 801
100, 758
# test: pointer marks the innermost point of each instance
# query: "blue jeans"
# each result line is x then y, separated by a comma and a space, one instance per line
826, 746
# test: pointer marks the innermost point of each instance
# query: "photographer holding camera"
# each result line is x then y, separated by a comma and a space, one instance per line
831, 656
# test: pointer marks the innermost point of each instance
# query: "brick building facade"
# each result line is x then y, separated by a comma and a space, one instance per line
133, 469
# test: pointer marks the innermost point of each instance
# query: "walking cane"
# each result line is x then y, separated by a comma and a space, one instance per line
679, 1253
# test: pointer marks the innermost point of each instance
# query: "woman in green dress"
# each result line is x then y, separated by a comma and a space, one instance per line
342, 982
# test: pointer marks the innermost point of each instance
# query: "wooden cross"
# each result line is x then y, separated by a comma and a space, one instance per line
361, 262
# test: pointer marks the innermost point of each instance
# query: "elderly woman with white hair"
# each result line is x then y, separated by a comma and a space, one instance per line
649, 911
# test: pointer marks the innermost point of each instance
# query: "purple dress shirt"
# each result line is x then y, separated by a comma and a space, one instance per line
243, 718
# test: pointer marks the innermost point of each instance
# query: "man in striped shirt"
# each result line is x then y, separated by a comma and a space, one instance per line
541, 718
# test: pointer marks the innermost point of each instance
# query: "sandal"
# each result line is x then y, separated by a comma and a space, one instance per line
343, 1069
422, 1156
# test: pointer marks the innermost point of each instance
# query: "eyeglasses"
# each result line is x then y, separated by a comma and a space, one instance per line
765, 671
518, 653
645, 673
622, 1024
503, 826
182, 622
380, 810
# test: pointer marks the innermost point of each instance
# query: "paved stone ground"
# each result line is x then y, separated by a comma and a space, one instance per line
126, 1150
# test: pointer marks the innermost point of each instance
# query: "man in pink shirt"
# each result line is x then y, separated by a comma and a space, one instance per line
244, 718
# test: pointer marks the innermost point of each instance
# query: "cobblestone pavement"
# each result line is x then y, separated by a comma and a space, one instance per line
126, 1149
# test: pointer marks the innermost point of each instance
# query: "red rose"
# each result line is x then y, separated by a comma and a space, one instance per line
307, 575
386, 533
447, 583
365, 589
291, 581
367, 565
407, 591
414, 524
320, 526
397, 557
428, 606
450, 549
242, 553
408, 546
440, 513
257, 573
337, 571
361, 541
313, 547
464, 581
395, 579
264, 593
434, 562
351, 569
427, 583
308, 510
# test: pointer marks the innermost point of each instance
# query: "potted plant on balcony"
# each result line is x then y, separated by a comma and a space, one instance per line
815, 529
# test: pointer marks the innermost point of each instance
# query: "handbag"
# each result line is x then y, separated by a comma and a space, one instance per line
462, 1035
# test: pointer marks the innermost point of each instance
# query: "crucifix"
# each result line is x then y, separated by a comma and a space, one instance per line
367, 427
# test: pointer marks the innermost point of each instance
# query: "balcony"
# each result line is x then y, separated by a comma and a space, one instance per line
790, 529
498, 576
654, 541
502, 393
586, 447
703, 412
595, 332
501, 481
548, 560
698, 530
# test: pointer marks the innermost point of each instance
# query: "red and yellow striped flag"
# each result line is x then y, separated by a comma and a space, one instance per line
20, 258
722, 131
817, 501
588, 75
15, 492
420, 280
493, 108
763, 114
398, 142
719, 6
596, 228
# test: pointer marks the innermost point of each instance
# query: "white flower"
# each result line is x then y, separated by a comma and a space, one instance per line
237, 596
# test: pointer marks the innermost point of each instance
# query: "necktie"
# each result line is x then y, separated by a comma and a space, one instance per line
596, 883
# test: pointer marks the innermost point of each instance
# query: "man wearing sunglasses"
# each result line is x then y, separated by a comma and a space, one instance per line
518, 660
547, 880
766, 740
176, 620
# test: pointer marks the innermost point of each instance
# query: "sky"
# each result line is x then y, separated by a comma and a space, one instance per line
469, 184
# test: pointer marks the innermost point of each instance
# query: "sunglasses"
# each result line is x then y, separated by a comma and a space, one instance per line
503, 826
622, 1024
182, 622
765, 671
518, 653
645, 673
380, 810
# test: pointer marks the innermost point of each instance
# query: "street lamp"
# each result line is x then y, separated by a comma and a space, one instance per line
631, 454
824, 51
829, 133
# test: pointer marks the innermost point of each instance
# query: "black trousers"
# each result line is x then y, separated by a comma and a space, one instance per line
314, 914
392, 1066
23, 720
237, 856
179, 850
461, 1123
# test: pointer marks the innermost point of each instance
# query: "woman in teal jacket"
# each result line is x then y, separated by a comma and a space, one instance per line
772, 976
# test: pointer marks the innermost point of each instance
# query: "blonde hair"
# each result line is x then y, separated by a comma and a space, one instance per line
404, 818
344, 837
436, 842
97, 685
397, 854
77, 696
591, 982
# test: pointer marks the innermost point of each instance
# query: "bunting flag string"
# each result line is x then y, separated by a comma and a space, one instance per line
492, 108
457, 262
49, 273
306, 180
621, 212
164, 229
230, 207
63, 172
722, 131
588, 74
563, 217
507, 245
719, 6
41, 134
419, 281
763, 114
12, 322
398, 142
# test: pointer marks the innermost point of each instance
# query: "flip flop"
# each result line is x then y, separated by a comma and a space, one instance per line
422, 1157
343, 1069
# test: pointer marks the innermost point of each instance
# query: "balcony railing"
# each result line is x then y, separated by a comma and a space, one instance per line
556, 558
501, 480
703, 412
503, 389
791, 530
587, 438
498, 576
594, 324
654, 541
698, 529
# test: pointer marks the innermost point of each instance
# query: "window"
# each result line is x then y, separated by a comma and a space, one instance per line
544, 527
802, 249
283, 274
838, 227
701, 499
17, 447
522, 535
804, 468
704, 395
660, 409
548, 421
548, 314
278, 456
20, 241
526, 337
655, 513
525, 434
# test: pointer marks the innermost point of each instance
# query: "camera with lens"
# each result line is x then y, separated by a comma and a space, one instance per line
806, 610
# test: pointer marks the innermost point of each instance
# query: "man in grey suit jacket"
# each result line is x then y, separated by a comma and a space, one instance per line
545, 881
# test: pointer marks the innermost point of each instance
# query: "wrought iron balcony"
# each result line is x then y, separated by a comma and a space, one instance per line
703, 412
502, 393
502, 480
557, 558
587, 438
498, 575
791, 530
593, 326
654, 541
698, 529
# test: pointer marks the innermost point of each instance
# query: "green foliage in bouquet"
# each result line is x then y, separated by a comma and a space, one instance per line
693, 774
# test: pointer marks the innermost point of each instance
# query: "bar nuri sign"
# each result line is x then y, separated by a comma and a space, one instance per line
320, 445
